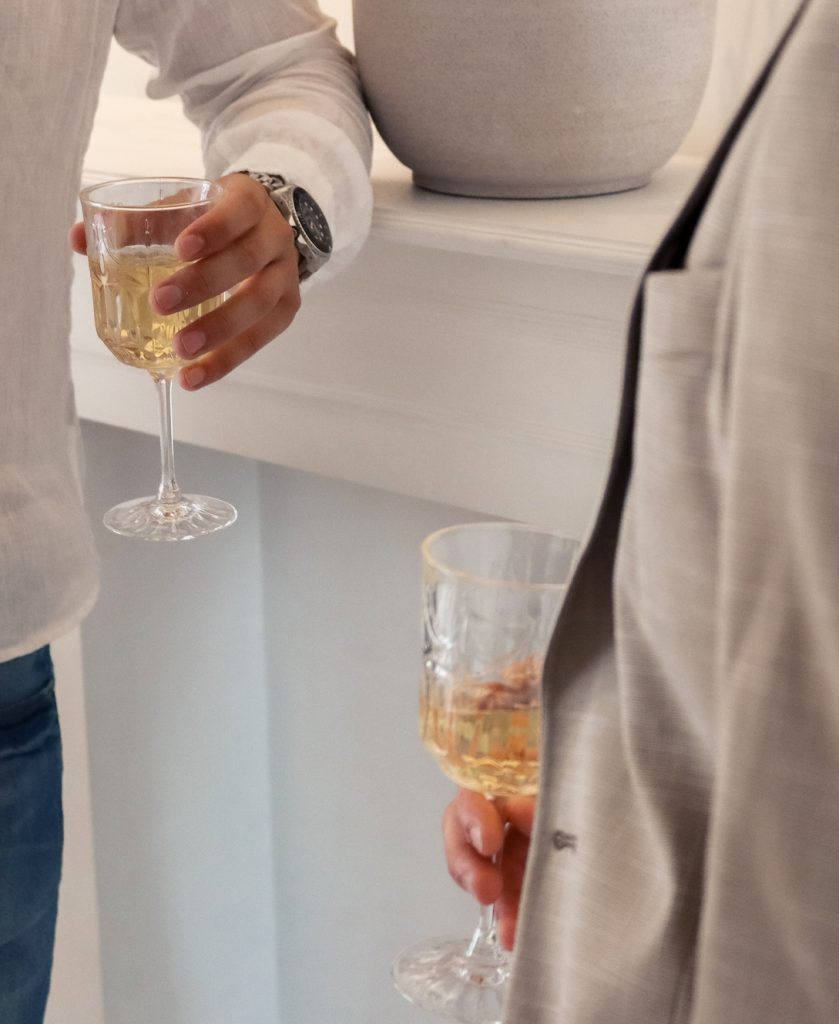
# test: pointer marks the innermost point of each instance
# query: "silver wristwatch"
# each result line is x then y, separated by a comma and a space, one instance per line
312, 236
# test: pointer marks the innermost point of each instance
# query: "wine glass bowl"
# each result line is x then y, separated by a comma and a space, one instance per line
491, 594
131, 226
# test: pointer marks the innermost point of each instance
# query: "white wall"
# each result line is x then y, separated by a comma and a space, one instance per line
177, 717
266, 821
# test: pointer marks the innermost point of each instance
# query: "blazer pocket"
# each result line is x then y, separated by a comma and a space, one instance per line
676, 441
679, 345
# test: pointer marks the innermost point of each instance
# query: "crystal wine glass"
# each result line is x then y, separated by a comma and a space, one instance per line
131, 226
492, 592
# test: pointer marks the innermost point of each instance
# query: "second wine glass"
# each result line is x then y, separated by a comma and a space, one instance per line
492, 592
131, 226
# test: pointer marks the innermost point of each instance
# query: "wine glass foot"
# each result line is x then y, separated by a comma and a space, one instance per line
192, 515
444, 977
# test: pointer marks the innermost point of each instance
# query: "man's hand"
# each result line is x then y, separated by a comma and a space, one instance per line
242, 245
474, 831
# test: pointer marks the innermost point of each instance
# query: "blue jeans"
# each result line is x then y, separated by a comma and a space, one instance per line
31, 834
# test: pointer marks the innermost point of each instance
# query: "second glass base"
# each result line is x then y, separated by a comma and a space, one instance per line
446, 977
192, 515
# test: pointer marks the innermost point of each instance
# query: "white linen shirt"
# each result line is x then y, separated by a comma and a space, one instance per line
270, 88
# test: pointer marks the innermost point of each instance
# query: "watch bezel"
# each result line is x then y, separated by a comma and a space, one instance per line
296, 193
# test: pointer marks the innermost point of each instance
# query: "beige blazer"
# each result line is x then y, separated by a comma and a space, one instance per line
684, 868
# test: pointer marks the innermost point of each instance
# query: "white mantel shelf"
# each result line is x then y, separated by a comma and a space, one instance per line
471, 355
611, 234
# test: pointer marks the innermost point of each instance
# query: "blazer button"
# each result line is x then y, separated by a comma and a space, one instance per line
564, 841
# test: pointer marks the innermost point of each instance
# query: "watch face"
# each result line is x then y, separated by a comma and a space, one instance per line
312, 220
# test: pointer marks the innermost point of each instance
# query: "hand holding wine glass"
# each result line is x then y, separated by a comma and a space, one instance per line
239, 244
163, 253
492, 592
486, 843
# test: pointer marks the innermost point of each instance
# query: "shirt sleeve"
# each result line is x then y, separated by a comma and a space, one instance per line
271, 89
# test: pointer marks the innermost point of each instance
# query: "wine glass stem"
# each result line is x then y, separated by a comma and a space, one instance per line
485, 936
168, 493
484, 945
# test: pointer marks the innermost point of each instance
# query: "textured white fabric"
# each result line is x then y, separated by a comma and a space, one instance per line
270, 88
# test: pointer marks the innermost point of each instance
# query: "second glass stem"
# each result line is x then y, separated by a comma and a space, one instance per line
168, 493
485, 936
484, 942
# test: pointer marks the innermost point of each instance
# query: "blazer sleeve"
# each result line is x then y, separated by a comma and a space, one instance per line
769, 930
271, 89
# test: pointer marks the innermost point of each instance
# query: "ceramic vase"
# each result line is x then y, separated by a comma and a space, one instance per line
533, 98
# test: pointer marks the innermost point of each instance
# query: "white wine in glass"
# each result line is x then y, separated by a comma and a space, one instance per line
485, 736
492, 592
131, 226
132, 330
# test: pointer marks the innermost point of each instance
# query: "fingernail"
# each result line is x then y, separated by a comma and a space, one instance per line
189, 246
190, 343
475, 837
167, 296
193, 376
